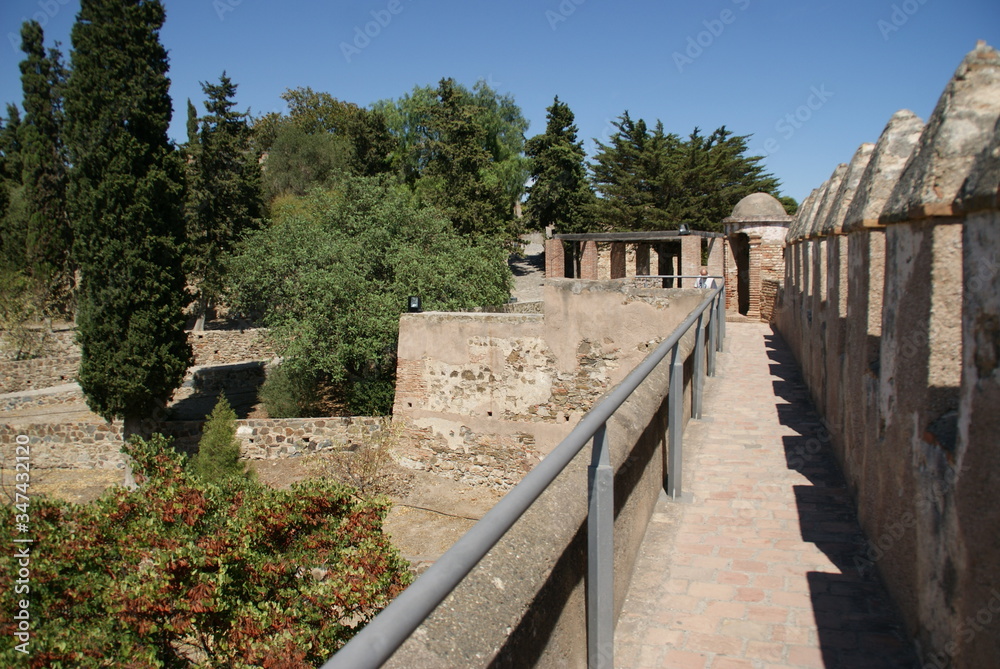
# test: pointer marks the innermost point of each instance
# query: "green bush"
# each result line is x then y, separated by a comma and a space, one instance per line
218, 457
179, 573
289, 393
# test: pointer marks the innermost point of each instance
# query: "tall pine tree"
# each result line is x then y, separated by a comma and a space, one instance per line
126, 193
224, 192
48, 235
560, 195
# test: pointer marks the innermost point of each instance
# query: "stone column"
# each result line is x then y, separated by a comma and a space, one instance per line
555, 259
690, 259
753, 312
642, 259
617, 260
716, 256
588, 261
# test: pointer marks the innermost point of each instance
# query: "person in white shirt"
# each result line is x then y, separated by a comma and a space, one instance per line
703, 281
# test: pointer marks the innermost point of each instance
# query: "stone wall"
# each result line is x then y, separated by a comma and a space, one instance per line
90, 445
891, 302
486, 395
210, 348
18, 375
532, 581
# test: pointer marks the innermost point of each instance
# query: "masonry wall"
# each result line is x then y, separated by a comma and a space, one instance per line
485, 396
95, 445
541, 373
890, 303
59, 366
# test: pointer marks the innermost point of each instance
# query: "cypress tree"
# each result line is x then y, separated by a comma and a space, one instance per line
560, 194
224, 195
13, 226
126, 194
455, 180
48, 236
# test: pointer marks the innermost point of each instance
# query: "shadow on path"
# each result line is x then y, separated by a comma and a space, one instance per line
857, 624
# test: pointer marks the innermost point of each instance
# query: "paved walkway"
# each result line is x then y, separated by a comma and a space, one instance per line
759, 570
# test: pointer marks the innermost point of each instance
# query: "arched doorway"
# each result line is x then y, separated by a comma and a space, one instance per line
740, 244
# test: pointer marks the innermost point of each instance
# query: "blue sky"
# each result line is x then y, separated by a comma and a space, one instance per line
815, 78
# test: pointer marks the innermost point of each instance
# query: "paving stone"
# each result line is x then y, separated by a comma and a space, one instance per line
758, 570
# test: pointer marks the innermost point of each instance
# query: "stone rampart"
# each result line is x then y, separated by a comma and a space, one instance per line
891, 303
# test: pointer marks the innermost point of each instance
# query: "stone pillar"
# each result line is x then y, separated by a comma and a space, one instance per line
588, 261
555, 259
642, 259
716, 256
754, 312
690, 259
617, 260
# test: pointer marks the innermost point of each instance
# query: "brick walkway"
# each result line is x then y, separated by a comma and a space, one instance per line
759, 570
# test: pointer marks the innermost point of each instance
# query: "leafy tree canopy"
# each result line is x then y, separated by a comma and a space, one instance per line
319, 139
461, 150
655, 180
332, 274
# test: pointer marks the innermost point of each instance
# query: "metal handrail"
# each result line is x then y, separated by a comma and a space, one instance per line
378, 640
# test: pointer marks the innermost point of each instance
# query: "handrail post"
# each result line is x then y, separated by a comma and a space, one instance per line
675, 406
722, 323
698, 379
713, 336
600, 555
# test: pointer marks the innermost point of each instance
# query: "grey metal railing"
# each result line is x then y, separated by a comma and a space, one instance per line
376, 643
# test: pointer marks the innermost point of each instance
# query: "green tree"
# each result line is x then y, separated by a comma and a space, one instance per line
182, 574
298, 161
48, 234
126, 194
560, 194
218, 457
224, 192
626, 201
331, 276
461, 150
14, 213
659, 181
320, 140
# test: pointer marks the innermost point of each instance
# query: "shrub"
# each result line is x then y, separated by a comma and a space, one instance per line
218, 457
179, 573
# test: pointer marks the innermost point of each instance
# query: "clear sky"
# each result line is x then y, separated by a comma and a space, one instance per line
816, 78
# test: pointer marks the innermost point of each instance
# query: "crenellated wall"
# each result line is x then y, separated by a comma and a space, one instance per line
891, 303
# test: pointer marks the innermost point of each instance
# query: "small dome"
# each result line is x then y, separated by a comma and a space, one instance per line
759, 206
